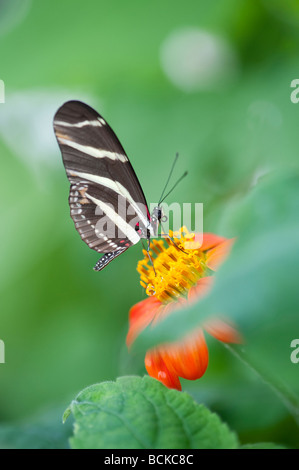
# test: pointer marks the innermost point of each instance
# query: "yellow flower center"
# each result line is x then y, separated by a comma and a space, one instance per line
173, 268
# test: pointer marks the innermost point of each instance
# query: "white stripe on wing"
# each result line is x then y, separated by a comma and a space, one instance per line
117, 187
96, 123
126, 228
92, 151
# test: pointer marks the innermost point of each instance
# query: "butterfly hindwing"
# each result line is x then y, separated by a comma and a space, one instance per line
102, 179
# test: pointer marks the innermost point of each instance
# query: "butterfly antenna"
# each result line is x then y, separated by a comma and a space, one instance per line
169, 176
174, 186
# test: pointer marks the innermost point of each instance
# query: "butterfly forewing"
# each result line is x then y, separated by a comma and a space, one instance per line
105, 195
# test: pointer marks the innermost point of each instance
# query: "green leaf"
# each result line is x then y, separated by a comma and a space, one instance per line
140, 413
66, 414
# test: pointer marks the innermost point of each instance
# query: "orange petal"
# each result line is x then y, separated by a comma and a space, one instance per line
157, 369
217, 255
203, 241
201, 288
223, 331
167, 309
140, 316
210, 241
188, 358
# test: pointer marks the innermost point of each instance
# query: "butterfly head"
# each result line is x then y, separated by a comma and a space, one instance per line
157, 217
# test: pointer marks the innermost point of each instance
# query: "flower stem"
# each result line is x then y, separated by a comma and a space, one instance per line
289, 400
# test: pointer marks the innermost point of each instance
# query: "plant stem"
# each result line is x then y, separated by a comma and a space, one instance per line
289, 400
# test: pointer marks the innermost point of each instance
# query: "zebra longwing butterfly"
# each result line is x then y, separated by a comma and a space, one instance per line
101, 178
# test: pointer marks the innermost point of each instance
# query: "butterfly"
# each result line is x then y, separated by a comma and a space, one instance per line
101, 178
106, 200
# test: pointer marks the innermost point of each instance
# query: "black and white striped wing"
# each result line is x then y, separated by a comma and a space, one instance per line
102, 180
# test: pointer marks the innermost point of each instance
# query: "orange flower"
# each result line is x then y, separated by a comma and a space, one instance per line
182, 272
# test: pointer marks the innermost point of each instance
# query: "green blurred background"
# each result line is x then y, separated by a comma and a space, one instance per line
208, 79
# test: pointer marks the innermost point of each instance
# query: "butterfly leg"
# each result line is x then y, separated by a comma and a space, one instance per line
147, 249
149, 256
